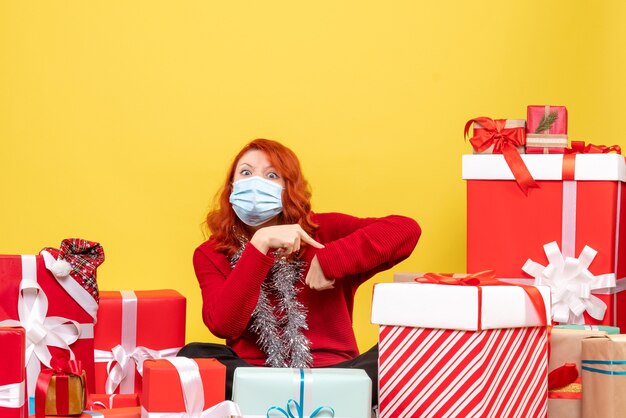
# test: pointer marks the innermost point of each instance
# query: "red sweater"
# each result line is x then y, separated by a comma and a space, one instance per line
355, 250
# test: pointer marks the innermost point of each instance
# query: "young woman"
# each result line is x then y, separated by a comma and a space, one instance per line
278, 280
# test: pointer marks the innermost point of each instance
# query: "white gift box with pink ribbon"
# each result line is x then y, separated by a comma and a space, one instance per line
564, 234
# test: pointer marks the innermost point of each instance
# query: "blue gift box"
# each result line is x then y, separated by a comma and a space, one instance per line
302, 393
608, 329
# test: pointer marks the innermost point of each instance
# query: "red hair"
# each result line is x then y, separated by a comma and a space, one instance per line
222, 221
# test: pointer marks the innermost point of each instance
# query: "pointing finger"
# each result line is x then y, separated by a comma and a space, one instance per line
306, 238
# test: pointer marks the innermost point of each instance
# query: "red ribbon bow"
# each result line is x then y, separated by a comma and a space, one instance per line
562, 376
505, 141
62, 369
475, 279
487, 278
579, 147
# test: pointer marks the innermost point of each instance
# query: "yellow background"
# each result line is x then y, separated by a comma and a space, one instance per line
118, 119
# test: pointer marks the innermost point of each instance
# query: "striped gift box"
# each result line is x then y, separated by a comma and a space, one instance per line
470, 351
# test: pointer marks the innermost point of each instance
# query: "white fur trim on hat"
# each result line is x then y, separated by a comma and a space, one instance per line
61, 268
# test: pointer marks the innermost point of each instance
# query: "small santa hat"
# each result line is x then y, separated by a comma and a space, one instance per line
79, 259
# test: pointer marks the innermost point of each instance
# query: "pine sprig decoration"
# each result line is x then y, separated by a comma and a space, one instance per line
547, 121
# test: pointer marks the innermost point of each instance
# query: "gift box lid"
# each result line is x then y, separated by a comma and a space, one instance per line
159, 315
536, 113
424, 305
609, 338
545, 167
604, 354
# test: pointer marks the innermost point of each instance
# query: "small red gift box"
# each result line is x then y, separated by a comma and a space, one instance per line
61, 390
63, 311
546, 130
134, 326
568, 230
12, 373
490, 136
163, 387
127, 412
98, 401
506, 137
546, 120
461, 350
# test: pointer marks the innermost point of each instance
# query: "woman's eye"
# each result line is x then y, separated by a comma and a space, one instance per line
245, 172
272, 176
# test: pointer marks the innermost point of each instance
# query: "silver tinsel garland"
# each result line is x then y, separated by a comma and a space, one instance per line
280, 327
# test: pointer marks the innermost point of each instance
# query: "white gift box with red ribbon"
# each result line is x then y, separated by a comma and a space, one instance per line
455, 307
565, 234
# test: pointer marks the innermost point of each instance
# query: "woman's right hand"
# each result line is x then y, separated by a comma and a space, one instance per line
288, 238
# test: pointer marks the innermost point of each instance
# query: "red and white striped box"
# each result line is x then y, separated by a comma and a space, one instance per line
471, 351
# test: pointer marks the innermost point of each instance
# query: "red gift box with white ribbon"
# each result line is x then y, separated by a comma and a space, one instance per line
134, 326
565, 234
57, 313
98, 401
125, 412
462, 350
12, 373
179, 387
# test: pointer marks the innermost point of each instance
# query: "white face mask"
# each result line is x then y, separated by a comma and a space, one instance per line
256, 200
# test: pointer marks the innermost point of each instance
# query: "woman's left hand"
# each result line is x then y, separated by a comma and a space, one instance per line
316, 279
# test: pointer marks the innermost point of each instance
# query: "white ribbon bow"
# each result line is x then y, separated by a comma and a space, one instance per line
571, 284
12, 395
121, 364
193, 394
